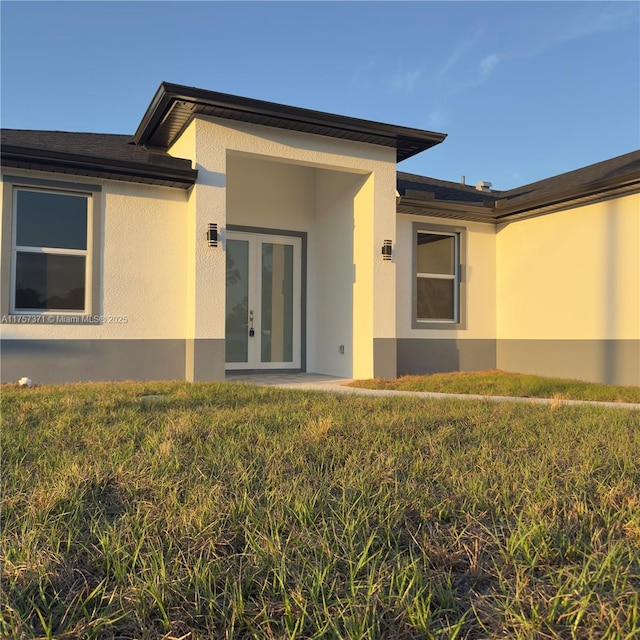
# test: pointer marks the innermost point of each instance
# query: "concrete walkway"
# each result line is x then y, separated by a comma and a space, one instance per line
317, 382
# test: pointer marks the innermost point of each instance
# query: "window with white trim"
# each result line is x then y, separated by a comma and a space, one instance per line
438, 294
51, 257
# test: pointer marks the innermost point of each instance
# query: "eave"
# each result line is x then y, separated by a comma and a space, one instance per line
446, 209
506, 211
174, 106
60, 162
501, 211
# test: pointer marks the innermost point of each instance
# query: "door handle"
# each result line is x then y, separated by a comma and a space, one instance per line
251, 330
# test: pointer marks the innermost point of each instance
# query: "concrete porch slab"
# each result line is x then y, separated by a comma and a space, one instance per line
289, 380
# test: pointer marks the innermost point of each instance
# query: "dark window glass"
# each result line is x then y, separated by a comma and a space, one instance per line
276, 343
435, 299
55, 220
436, 253
237, 295
47, 281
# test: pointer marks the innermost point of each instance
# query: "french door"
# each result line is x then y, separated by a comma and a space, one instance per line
263, 298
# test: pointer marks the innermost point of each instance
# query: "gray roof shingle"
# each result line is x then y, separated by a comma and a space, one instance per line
442, 189
426, 196
116, 157
95, 154
627, 165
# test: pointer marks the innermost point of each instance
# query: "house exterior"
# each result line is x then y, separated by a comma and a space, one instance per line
231, 234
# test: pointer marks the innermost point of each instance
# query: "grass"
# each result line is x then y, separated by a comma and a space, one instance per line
500, 383
230, 511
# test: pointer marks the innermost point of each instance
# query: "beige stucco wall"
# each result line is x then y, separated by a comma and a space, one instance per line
571, 275
263, 193
144, 246
268, 194
331, 274
479, 275
143, 264
325, 204
160, 274
185, 147
264, 177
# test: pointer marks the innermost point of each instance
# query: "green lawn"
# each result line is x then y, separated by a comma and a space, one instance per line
231, 511
500, 383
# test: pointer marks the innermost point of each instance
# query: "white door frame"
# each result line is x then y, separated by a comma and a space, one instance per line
256, 240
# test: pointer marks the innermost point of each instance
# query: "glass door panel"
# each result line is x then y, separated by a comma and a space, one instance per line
263, 301
236, 328
277, 303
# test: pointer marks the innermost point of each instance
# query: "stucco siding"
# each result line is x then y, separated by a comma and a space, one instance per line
144, 253
470, 347
275, 195
478, 273
261, 177
571, 275
142, 242
569, 293
420, 356
557, 294
331, 274
185, 147
605, 361
92, 360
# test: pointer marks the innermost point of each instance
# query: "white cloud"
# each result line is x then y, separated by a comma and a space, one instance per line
461, 48
488, 64
606, 21
405, 81
583, 26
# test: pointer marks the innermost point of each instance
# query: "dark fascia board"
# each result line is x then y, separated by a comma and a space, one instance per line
99, 167
500, 211
407, 141
472, 211
448, 205
562, 199
155, 113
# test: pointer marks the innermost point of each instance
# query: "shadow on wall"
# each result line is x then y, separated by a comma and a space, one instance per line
618, 358
610, 294
314, 143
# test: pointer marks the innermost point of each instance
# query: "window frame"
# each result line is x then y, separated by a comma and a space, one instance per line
459, 233
10, 249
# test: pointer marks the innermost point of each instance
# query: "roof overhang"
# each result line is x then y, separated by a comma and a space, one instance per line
174, 106
110, 169
474, 212
614, 187
501, 210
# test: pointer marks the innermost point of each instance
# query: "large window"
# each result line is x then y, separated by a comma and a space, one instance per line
437, 277
53, 252
51, 241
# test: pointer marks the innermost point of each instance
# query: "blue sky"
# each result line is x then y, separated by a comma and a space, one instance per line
525, 90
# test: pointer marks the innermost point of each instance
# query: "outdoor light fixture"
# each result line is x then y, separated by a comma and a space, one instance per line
387, 250
212, 234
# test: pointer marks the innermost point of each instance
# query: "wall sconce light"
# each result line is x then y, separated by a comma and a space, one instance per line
212, 234
387, 249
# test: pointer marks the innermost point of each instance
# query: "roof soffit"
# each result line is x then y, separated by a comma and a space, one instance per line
174, 106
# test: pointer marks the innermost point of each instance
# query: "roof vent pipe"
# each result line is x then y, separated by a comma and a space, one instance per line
483, 185
464, 180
